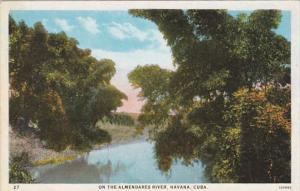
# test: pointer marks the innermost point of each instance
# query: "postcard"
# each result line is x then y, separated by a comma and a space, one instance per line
150, 95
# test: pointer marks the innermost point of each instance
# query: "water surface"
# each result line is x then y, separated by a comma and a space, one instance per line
127, 163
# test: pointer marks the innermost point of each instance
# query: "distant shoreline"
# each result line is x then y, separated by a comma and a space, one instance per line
116, 144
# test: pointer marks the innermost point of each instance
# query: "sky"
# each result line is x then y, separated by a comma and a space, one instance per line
129, 41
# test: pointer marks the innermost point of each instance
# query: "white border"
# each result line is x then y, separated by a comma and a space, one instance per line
6, 7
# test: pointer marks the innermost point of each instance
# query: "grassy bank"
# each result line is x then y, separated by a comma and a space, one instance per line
56, 160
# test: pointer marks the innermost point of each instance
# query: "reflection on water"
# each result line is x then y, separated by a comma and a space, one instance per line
129, 163
173, 143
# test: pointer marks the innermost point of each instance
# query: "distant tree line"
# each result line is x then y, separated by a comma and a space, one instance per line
119, 119
228, 103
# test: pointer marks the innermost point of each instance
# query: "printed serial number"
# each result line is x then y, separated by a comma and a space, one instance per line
285, 187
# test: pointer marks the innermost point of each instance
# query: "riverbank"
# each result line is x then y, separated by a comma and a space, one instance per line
40, 155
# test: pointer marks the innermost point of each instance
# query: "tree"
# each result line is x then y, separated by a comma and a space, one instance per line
219, 52
59, 87
264, 152
221, 59
154, 84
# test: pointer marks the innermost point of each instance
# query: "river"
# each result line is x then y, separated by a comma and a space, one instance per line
127, 163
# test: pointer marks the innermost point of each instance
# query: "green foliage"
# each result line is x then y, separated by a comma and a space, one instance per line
265, 150
230, 90
18, 169
59, 87
176, 141
119, 119
221, 53
153, 80
154, 84
245, 139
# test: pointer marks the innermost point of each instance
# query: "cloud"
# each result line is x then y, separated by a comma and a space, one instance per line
129, 60
152, 37
89, 24
125, 63
63, 24
156, 52
126, 31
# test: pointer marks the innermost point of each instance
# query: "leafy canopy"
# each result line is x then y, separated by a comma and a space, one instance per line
228, 102
59, 87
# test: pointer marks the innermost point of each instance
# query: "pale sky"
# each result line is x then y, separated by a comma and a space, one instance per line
129, 41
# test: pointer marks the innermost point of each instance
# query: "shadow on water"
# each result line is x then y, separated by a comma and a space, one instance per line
127, 163
72, 172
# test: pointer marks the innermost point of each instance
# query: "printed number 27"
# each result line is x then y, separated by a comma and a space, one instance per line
16, 187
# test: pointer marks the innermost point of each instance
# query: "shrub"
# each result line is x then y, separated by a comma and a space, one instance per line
18, 169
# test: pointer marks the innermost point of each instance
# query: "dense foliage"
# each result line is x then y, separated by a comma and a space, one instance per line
18, 171
228, 102
58, 87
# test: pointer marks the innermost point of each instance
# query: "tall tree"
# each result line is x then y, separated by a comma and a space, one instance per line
59, 87
221, 59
